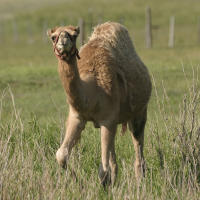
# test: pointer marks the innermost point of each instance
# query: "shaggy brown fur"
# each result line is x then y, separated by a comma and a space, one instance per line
109, 85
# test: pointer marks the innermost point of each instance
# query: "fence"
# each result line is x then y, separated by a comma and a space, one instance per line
30, 35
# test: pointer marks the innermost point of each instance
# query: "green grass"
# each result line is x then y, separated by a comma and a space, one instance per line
33, 106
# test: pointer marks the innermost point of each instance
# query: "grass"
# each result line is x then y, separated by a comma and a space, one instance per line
33, 108
29, 170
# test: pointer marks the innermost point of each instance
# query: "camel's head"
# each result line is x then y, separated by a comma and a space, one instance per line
64, 41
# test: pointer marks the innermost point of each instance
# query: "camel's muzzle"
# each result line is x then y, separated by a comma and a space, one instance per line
64, 46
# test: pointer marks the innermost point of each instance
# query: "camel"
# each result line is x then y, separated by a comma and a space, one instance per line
106, 83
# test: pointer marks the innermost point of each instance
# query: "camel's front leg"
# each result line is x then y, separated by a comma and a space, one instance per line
74, 126
107, 150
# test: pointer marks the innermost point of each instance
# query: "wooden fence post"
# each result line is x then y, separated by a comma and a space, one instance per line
62, 23
198, 29
1, 33
121, 20
171, 32
148, 28
15, 31
82, 31
30, 39
100, 20
44, 32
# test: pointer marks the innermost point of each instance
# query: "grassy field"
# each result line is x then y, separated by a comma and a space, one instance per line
33, 107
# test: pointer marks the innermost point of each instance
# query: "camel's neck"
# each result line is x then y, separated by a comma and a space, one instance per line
71, 81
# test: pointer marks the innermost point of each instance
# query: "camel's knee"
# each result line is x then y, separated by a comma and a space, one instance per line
62, 157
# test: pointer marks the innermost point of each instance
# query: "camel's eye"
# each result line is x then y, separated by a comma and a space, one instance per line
53, 38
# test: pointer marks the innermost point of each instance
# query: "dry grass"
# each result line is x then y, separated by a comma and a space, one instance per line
28, 169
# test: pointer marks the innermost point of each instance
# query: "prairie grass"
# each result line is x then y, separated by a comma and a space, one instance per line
28, 169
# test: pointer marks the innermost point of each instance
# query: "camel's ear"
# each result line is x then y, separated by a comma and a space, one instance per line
76, 31
51, 31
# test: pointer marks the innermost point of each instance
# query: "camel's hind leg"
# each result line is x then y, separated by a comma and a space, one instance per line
136, 127
113, 162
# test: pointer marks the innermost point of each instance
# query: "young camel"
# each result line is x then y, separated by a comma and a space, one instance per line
107, 84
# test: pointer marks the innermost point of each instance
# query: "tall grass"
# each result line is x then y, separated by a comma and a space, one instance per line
28, 169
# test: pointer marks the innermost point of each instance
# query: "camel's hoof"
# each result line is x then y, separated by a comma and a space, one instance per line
61, 158
105, 177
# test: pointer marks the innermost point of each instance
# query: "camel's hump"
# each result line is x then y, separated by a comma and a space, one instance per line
108, 30
113, 36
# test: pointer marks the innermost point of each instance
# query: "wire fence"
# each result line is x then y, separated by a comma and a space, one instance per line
29, 32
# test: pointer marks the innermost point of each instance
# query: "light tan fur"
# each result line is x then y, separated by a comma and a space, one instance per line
109, 85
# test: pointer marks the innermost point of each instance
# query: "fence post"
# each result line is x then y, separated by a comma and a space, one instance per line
82, 31
121, 20
100, 20
62, 23
198, 29
30, 39
1, 33
15, 31
44, 32
171, 32
148, 28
